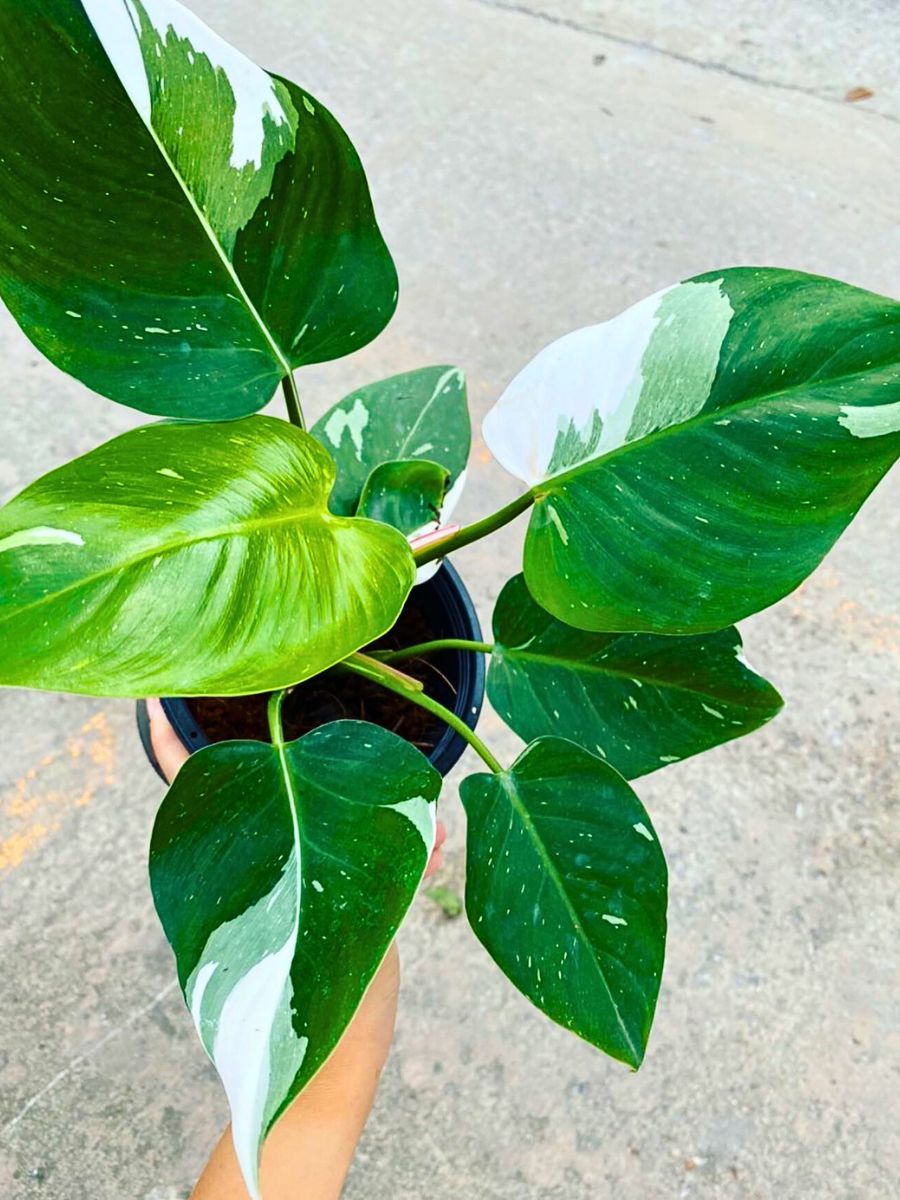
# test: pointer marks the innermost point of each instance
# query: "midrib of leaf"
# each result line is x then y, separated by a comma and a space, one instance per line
588, 667
169, 547
508, 783
208, 230
407, 440
547, 487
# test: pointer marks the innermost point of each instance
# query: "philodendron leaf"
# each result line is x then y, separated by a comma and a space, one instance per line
281, 875
696, 457
178, 228
419, 415
191, 559
408, 495
639, 700
566, 889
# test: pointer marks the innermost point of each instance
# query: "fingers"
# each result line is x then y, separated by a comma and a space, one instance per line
437, 859
170, 754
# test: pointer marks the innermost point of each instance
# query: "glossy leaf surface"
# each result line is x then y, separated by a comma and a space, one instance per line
638, 700
281, 875
408, 495
566, 889
418, 415
178, 228
191, 559
696, 457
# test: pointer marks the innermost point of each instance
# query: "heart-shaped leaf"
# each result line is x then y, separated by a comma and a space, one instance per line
566, 889
191, 559
695, 458
419, 415
638, 700
281, 874
178, 229
408, 495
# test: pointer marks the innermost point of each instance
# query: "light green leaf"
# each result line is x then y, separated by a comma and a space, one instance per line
281, 875
566, 889
407, 495
178, 228
638, 700
696, 457
191, 559
419, 415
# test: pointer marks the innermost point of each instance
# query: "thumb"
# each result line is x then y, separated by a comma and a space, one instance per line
170, 753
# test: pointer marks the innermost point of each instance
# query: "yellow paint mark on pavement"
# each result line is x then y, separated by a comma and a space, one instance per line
36, 806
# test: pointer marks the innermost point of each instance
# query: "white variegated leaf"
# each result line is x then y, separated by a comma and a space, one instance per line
281, 874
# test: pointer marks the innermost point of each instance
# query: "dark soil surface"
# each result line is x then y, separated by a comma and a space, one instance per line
337, 696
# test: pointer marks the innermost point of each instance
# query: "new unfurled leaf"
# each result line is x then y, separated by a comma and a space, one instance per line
566, 889
408, 495
178, 228
638, 700
191, 559
418, 415
696, 457
280, 875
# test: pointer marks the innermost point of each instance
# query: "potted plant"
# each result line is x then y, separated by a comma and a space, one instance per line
181, 231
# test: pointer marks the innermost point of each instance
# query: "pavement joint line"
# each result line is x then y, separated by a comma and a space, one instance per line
620, 39
86, 1056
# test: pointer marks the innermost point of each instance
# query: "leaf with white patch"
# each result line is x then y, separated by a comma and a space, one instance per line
195, 559
694, 459
408, 495
281, 875
566, 889
178, 228
420, 415
638, 700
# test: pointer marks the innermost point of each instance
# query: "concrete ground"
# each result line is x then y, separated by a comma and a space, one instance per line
536, 167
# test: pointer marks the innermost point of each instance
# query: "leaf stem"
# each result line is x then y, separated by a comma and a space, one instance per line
378, 672
292, 400
423, 648
473, 533
276, 730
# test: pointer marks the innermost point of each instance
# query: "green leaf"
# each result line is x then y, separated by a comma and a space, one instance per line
695, 458
281, 875
566, 889
178, 229
191, 559
637, 699
407, 495
420, 415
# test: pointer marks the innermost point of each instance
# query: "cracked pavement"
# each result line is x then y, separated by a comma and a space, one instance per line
535, 168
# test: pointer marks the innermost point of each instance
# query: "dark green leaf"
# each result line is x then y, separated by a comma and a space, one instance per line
637, 699
420, 415
281, 876
191, 559
566, 889
177, 228
407, 495
695, 458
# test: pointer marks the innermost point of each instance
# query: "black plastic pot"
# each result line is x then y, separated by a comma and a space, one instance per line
450, 613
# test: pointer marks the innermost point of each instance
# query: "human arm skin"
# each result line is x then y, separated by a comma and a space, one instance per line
309, 1152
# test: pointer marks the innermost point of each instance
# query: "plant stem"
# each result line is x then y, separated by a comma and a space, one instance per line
370, 668
423, 648
292, 400
276, 730
472, 533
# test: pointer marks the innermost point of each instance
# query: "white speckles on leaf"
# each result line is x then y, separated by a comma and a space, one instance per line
713, 712
557, 521
641, 828
169, 472
611, 920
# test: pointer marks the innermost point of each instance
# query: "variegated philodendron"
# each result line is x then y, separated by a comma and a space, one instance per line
180, 230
